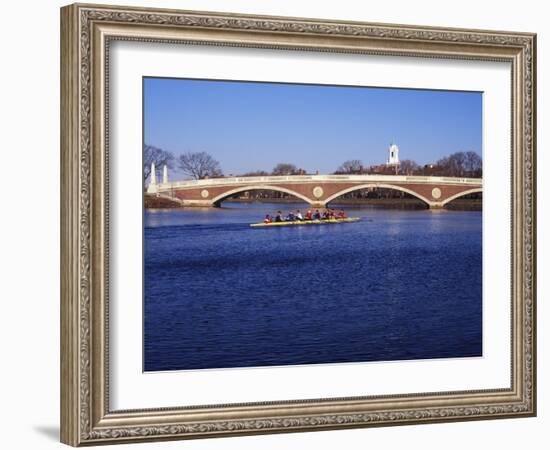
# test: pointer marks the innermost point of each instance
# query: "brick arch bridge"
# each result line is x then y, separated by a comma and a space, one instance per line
317, 190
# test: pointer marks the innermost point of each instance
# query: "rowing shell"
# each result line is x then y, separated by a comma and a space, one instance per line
306, 222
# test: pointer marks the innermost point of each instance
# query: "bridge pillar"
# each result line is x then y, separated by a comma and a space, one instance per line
199, 203
437, 205
318, 204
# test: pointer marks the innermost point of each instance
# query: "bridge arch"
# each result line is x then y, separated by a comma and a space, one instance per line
226, 194
461, 194
377, 185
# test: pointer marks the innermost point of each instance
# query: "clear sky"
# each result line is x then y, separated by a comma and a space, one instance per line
251, 126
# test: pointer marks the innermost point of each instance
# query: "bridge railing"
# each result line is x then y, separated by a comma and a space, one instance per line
319, 178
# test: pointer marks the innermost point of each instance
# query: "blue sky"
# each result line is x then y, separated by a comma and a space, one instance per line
253, 126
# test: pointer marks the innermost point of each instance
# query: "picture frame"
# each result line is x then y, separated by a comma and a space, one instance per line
87, 32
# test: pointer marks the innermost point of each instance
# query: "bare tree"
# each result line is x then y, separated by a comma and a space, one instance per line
285, 169
158, 156
351, 166
461, 164
473, 164
408, 166
458, 163
451, 165
199, 165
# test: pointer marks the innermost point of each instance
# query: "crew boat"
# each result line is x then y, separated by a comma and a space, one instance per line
307, 222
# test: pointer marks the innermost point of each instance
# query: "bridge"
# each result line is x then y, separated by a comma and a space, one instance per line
316, 190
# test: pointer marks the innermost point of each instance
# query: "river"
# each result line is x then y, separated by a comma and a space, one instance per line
399, 284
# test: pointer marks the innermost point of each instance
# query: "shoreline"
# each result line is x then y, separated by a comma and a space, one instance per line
390, 203
151, 202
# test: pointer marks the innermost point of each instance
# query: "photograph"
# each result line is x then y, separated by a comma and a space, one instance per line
298, 224
281, 222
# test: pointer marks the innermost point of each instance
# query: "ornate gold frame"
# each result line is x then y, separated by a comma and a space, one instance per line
86, 31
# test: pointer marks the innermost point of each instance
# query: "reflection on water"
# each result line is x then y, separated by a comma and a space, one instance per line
400, 284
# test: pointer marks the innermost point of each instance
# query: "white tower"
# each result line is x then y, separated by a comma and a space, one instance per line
393, 155
153, 182
165, 174
153, 174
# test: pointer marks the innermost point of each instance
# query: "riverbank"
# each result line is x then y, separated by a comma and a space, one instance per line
153, 202
397, 203
465, 205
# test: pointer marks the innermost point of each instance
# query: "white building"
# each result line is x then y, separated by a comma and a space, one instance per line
393, 155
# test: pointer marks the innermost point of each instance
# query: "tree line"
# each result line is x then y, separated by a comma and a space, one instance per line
458, 164
200, 165
197, 165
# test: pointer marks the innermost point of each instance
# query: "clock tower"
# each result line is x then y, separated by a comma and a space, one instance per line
393, 155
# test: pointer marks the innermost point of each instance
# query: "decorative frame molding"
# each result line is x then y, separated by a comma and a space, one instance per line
86, 31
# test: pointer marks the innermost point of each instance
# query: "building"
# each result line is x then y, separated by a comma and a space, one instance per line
393, 155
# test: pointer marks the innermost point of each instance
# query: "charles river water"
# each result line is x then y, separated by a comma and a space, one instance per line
400, 284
